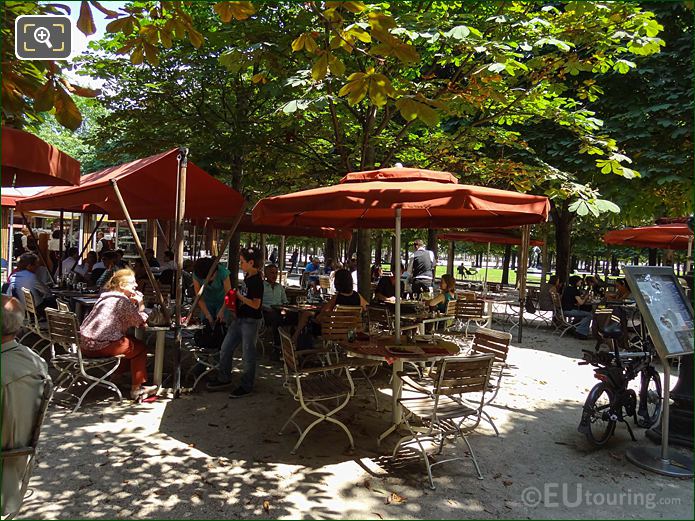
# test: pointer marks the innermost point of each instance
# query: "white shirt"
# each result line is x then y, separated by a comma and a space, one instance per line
68, 264
53, 244
354, 280
273, 295
167, 265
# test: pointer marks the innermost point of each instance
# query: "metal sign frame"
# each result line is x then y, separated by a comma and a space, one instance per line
667, 312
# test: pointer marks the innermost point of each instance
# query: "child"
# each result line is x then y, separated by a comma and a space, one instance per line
244, 329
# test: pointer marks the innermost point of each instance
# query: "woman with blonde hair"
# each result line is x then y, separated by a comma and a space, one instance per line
103, 332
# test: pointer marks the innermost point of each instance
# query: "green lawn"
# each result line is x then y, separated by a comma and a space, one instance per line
494, 274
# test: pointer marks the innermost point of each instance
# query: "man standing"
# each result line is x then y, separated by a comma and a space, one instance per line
273, 295
293, 261
421, 268
24, 375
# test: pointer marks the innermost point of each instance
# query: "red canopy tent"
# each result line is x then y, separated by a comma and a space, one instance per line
28, 160
494, 237
10, 201
149, 189
668, 236
247, 225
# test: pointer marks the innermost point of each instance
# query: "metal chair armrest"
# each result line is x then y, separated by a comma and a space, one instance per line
409, 382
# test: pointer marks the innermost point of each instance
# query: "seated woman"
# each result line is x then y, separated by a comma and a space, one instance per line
622, 289
345, 296
448, 287
103, 332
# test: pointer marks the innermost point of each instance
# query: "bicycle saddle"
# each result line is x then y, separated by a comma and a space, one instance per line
612, 330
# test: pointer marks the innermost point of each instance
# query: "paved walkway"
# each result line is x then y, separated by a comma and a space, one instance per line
206, 456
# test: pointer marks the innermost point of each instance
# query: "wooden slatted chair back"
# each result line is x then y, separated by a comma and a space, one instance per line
30, 310
62, 329
150, 296
451, 308
336, 323
457, 376
470, 309
324, 283
491, 341
63, 306
468, 295
289, 355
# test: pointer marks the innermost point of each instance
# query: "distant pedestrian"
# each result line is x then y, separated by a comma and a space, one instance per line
293, 260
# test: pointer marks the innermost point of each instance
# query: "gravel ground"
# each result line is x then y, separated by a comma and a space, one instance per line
205, 456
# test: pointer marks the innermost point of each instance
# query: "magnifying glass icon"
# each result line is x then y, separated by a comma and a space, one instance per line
43, 35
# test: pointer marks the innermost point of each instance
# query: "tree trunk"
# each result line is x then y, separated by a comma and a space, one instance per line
233, 259
329, 250
450, 260
505, 263
513, 260
563, 226
352, 247
652, 257
432, 246
364, 255
377, 249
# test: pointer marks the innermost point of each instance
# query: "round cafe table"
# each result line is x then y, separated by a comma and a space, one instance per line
384, 348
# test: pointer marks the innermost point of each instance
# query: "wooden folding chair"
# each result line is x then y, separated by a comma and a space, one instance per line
560, 323
33, 325
495, 343
468, 311
335, 326
442, 411
313, 387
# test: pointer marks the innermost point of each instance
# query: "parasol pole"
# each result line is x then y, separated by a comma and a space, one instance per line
10, 246
523, 264
397, 270
61, 223
281, 260
141, 251
180, 212
487, 265
216, 261
689, 258
38, 250
89, 240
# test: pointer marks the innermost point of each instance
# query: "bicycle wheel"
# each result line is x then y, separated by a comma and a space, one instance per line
596, 423
650, 398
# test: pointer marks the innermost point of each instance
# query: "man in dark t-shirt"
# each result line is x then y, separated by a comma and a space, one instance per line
386, 288
571, 302
244, 329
